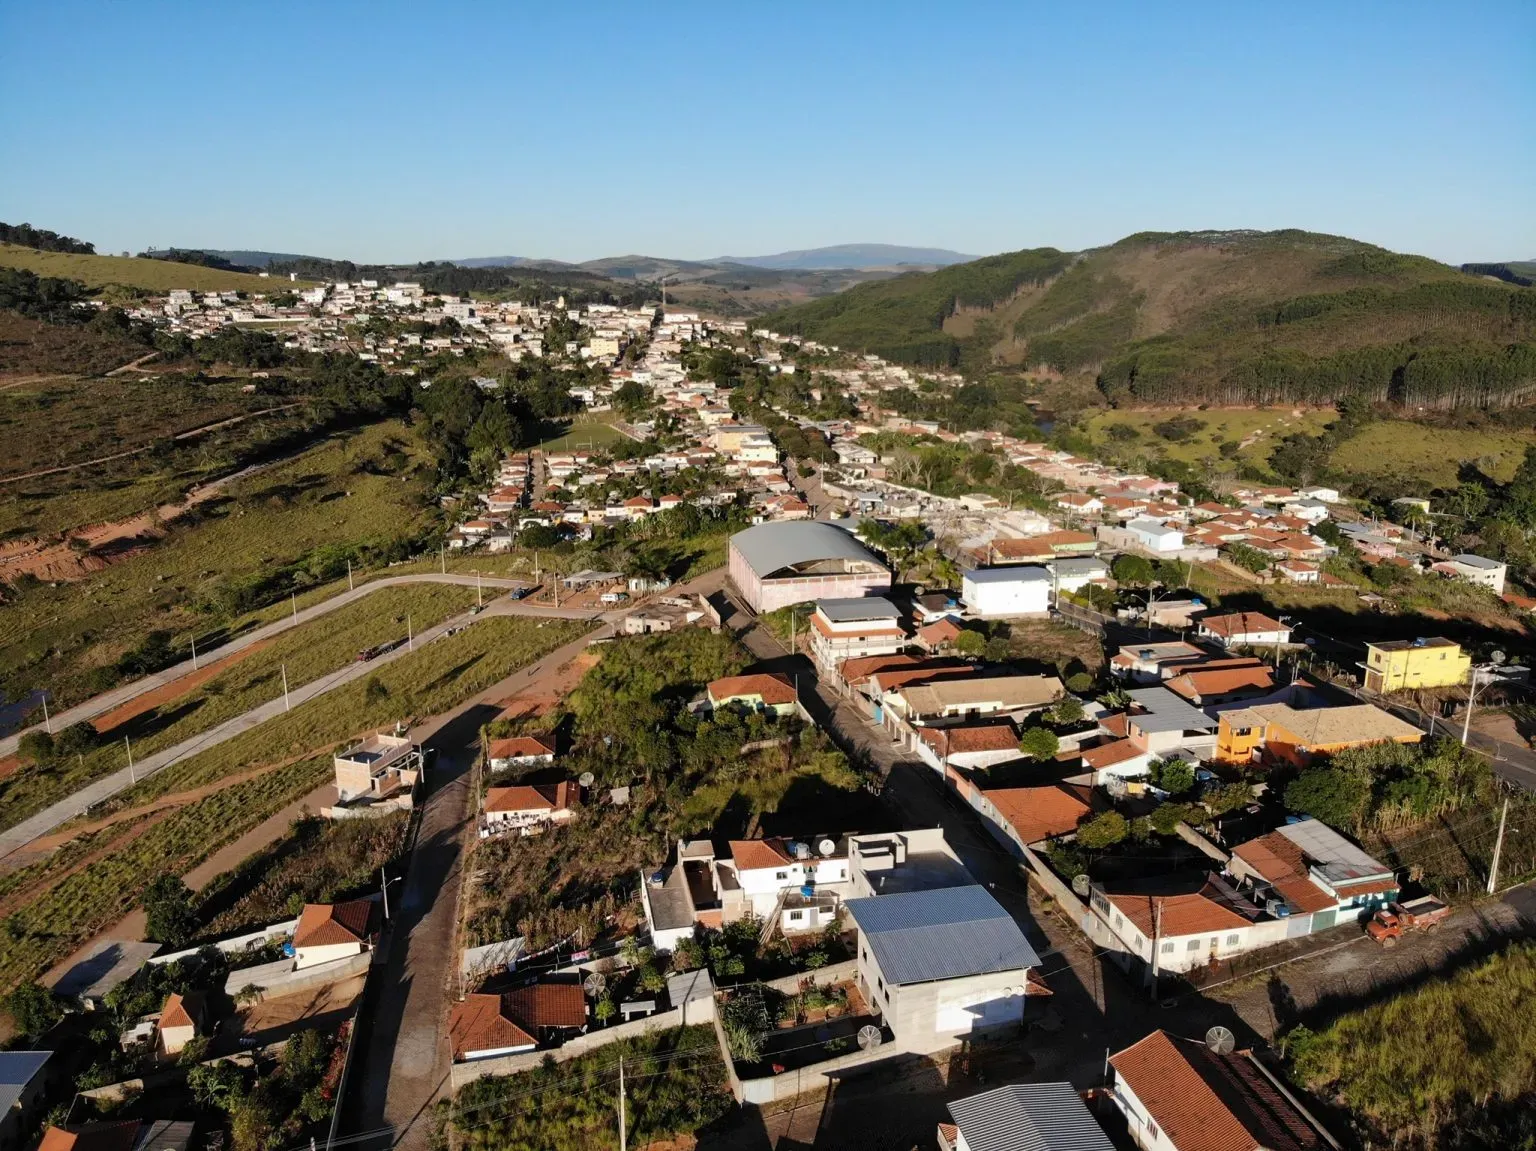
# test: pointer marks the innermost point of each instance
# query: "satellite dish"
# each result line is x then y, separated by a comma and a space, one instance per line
1220, 1040
825, 848
869, 1037
1497, 657
1081, 885
586, 779
594, 984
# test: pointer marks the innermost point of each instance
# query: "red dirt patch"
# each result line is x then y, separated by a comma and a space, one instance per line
174, 690
9, 766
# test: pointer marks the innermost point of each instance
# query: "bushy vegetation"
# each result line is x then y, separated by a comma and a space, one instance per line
318, 861
1392, 785
42, 239
628, 723
675, 1084
1450, 1065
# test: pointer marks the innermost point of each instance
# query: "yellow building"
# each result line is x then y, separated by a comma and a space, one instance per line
1276, 733
1400, 665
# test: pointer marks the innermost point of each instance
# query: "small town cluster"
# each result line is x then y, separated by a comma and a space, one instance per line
1157, 798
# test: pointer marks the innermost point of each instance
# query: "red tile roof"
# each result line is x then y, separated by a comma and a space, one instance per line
1241, 623
330, 924
1111, 753
181, 1011
861, 668
1209, 1102
774, 687
1281, 862
546, 1004
531, 797
1038, 813
522, 747
1220, 681
1189, 913
752, 854
971, 738
906, 677
118, 1136
478, 1024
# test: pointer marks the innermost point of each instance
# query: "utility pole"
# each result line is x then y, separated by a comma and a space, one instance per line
442, 559
1157, 940
384, 891
1498, 849
293, 600
194, 652
479, 599
410, 638
48, 722
131, 775
623, 1119
349, 575
1466, 723
286, 705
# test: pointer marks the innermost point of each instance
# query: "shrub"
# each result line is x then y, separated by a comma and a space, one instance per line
169, 916
1039, 743
34, 1009
1103, 831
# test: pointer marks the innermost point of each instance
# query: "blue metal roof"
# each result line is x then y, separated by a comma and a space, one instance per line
1029, 1117
17, 1069
941, 933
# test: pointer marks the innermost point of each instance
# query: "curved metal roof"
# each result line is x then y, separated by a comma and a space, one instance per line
771, 547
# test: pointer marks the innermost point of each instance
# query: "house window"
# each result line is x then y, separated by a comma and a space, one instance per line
1119, 922
1233, 940
1152, 1128
1138, 939
880, 983
781, 875
887, 994
796, 916
1192, 945
1167, 947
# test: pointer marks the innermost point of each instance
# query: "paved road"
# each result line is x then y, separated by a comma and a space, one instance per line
117, 696
18, 837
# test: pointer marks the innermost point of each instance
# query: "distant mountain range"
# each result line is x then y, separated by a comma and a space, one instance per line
861, 256
858, 257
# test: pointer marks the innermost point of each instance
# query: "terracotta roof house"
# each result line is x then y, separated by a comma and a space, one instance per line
1220, 685
1020, 817
938, 637
521, 750
764, 691
527, 808
1243, 628
182, 1019
112, 1136
1180, 1095
1319, 876
329, 931
544, 1013
1184, 922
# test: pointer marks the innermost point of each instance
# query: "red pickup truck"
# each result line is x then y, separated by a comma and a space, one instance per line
1389, 924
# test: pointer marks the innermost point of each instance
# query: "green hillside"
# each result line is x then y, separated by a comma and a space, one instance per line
1207, 317
133, 272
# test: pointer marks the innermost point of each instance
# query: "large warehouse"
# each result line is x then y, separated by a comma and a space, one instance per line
775, 565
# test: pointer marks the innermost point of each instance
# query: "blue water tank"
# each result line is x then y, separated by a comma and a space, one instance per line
807, 890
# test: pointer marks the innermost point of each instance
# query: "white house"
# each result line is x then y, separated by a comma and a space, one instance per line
521, 751
1476, 570
1191, 928
330, 931
997, 593
941, 964
1154, 536
853, 628
1243, 629
801, 883
527, 808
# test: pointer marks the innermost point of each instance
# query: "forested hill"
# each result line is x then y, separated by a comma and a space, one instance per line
1206, 317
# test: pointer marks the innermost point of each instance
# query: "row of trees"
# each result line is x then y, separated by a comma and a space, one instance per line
43, 240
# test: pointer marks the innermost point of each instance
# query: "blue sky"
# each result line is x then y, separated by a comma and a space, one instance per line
411, 131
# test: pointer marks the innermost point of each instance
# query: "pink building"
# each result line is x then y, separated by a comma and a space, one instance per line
774, 565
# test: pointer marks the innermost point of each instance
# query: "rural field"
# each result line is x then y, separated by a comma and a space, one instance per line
159, 276
242, 681
1257, 429
53, 906
589, 432
1430, 457
364, 490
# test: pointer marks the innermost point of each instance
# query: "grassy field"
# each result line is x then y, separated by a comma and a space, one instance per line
1450, 1064
590, 432
1257, 428
54, 921
151, 275
430, 680
367, 487
1425, 458
308, 652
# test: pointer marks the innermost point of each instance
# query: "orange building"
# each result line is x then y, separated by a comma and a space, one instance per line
1279, 733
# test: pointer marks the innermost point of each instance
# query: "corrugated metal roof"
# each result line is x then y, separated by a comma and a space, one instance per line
1167, 712
1024, 574
858, 608
1336, 857
17, 1069
771, 547
941, 933
1029, 1117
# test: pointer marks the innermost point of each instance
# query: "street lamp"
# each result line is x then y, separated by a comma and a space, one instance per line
384, 882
